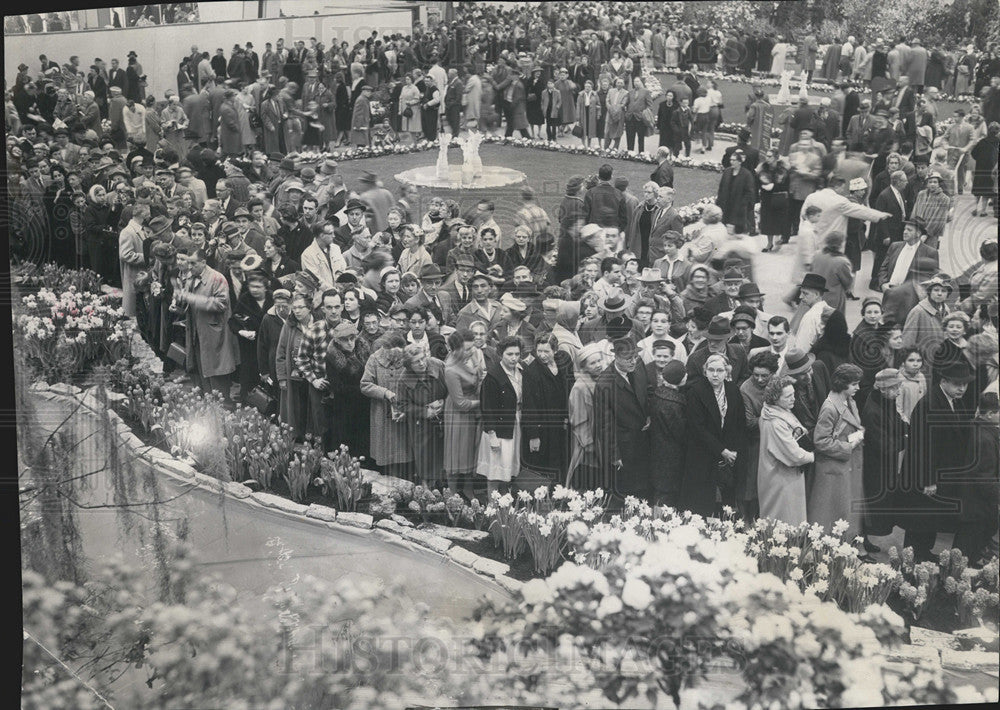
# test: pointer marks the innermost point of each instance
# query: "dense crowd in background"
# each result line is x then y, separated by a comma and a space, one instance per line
607, 345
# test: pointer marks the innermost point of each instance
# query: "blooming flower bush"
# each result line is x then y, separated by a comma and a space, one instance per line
674, 595
66, 334
56, 278
341, 475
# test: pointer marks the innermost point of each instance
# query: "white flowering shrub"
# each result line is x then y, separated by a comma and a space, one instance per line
673, 596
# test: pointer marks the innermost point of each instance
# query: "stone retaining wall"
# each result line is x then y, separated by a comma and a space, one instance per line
398, 532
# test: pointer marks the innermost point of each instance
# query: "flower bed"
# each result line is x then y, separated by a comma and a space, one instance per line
65, 332
649, 611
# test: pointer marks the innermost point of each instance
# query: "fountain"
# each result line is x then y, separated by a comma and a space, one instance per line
470, 175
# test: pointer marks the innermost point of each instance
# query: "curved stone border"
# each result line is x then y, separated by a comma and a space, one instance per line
183, 471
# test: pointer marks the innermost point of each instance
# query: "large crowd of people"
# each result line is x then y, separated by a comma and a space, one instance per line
603, 346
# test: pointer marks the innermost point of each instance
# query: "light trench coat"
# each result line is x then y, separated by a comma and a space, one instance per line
781, 482
837, 488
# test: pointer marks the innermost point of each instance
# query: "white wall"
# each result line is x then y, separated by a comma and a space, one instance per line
160, 49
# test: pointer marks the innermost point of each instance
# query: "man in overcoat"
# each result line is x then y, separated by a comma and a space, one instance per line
621, 425
212, 350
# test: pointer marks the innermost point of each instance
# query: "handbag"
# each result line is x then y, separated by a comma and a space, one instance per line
177, 353
577, 131
261, 399
408, 112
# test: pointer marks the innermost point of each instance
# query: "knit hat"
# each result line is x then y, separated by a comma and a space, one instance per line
887, 377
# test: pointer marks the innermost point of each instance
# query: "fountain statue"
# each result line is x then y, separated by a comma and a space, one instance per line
472, 165
471, 175
442, 169
784, 90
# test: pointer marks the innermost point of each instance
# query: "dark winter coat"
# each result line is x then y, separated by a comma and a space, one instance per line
545, 414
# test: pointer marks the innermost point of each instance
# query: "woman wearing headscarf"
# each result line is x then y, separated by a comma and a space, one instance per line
97, 230
584, 469
564, 317
422, 393
924, 326
697, 292
345, 364
838, 437
380, 383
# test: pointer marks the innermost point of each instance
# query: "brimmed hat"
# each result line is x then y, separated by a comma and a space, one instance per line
938, 280
282, 294
857, 184
719, 329
479, 275
513, 303
295, 185
816, 282
355, 204
651, 275
241, 212
613, 303
229, 229
589, 230
431, 272
958, 371
749, 290
464, 261
287, 164
956, 315
798, 361
251, 262
329, 167
368, 176
923, 266
624, 345
888, 377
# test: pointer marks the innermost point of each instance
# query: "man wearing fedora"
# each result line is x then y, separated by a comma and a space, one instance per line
812, 385
810, 312
611, 312
750, 296
717, 342
901, 255
357, 223
430, 295
732, 280
937, 454
621, 425
651, 289
744, 321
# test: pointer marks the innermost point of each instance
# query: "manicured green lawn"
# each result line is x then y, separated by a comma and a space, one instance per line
546, 172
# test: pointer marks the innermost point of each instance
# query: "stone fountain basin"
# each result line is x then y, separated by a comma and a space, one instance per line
493, 177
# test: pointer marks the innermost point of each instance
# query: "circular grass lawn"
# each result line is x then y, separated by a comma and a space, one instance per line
546, 171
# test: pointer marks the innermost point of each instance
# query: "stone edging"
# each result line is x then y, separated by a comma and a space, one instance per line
392, 531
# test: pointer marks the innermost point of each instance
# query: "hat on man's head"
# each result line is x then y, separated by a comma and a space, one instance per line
295, 185
749, 289
798, 361
276, 156
923, 266
512, 303
612, 303
674, 372
624, 346
346, 277
651, 275
307, 174
589, 230
815, 282
479, 276
857, 183
368, 177
464, 261
719, 328
957, 371
574, 184
287, 164
355, 204
282, 294
888, 377
733, 275
329, 167
230, 230
241, 212
163, 251
431, 272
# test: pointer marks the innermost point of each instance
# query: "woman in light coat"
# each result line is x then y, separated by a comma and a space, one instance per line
781, 482
380, 383
615, 124
409, 97
839, 439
